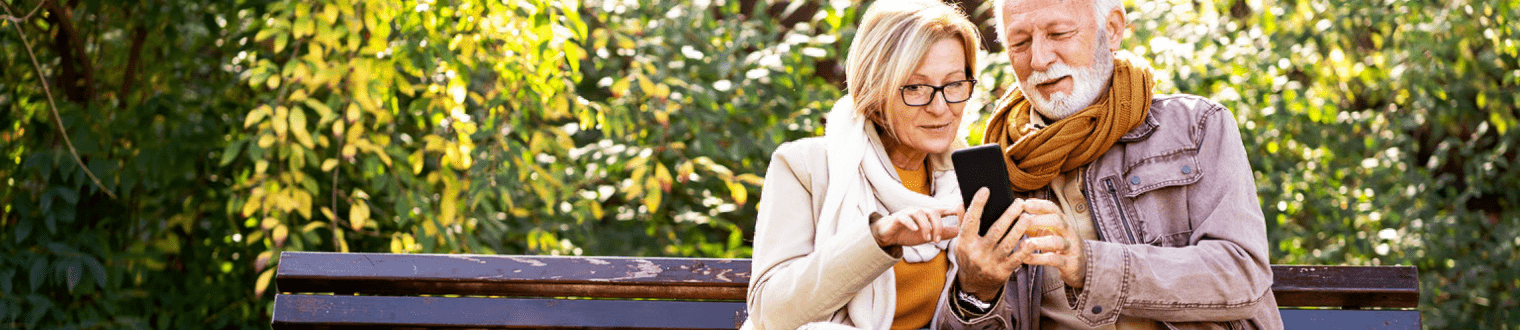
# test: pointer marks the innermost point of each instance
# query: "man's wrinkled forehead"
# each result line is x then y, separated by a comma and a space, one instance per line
1020, 11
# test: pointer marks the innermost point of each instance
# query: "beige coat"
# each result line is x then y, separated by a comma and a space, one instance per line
815, 259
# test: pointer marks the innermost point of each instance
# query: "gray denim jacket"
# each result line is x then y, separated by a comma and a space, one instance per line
1181, 236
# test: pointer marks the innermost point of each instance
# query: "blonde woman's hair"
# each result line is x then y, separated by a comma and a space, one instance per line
892, 38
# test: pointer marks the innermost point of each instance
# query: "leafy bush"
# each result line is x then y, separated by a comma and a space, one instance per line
222, 133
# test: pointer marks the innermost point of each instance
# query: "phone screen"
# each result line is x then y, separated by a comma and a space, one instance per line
983, 166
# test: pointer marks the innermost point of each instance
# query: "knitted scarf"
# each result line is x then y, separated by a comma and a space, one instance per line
1038, 155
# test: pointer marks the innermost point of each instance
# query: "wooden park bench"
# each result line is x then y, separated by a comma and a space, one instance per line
378, 290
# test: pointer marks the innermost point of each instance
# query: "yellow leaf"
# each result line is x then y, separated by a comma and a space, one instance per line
263, 260
353, 112
274, 80
448, 208
265, 141
304, 27
281, 121
358, 214
620, 87
280, 40
738, 191
342, 243
303, 200
263, 282
298, 128
269, 223
684, 171
652, 198
416, 160
297, 95
409, 243
330, 14
250, 207
339, 128
645, 86
329, 164
752, 179
256, 116
256, 236
662, 176
279, 235
312, 226
328, 212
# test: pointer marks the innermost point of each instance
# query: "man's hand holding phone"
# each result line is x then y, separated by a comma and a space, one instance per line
987, 261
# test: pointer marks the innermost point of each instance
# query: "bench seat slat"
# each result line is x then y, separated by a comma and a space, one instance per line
325, 311
370, 312
1350, 319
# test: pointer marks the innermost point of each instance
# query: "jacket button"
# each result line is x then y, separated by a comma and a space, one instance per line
1134, 180
1187, 169
1097, 309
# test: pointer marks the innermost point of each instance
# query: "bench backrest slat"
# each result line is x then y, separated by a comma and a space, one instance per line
1346, 286
371, 312
715, 279
536, 276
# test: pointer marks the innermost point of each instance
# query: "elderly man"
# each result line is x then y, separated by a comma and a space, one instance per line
1141, 209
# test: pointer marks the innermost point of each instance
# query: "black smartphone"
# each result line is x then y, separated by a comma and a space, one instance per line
983, 166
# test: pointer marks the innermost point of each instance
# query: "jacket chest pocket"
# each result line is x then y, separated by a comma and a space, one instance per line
1154, 197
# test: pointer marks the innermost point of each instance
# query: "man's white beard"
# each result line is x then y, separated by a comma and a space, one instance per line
1087, 84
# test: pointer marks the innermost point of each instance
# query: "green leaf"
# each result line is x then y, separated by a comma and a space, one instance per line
40, 307
230, 152
97, 271
71, 271
23, 229
38, 273
7, 278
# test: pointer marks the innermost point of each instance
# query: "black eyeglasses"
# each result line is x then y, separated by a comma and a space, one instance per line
918, 95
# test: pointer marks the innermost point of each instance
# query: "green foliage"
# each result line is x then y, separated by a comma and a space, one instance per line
230, 131
1383, 130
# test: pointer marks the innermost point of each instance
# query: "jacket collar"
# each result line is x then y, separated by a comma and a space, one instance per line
1143, 131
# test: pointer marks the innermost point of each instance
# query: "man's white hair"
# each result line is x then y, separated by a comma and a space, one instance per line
1101, 8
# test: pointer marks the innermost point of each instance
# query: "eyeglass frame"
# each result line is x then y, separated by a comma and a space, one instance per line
901, 91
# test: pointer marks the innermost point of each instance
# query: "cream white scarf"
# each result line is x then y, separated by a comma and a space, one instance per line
862, 181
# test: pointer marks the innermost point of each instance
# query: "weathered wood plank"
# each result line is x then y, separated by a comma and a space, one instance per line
323, 311
504, 275
1346, 286
1349, 319
371, 312
716, 279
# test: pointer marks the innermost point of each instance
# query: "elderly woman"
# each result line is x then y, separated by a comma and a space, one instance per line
854, 227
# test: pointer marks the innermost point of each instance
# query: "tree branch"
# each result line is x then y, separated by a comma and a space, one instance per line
52, 105
77, 77
139, 35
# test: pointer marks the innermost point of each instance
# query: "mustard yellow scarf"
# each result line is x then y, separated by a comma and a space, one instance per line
1038, 155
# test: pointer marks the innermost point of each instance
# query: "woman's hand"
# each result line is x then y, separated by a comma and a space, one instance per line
914, 226
986, 262
1059, 245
